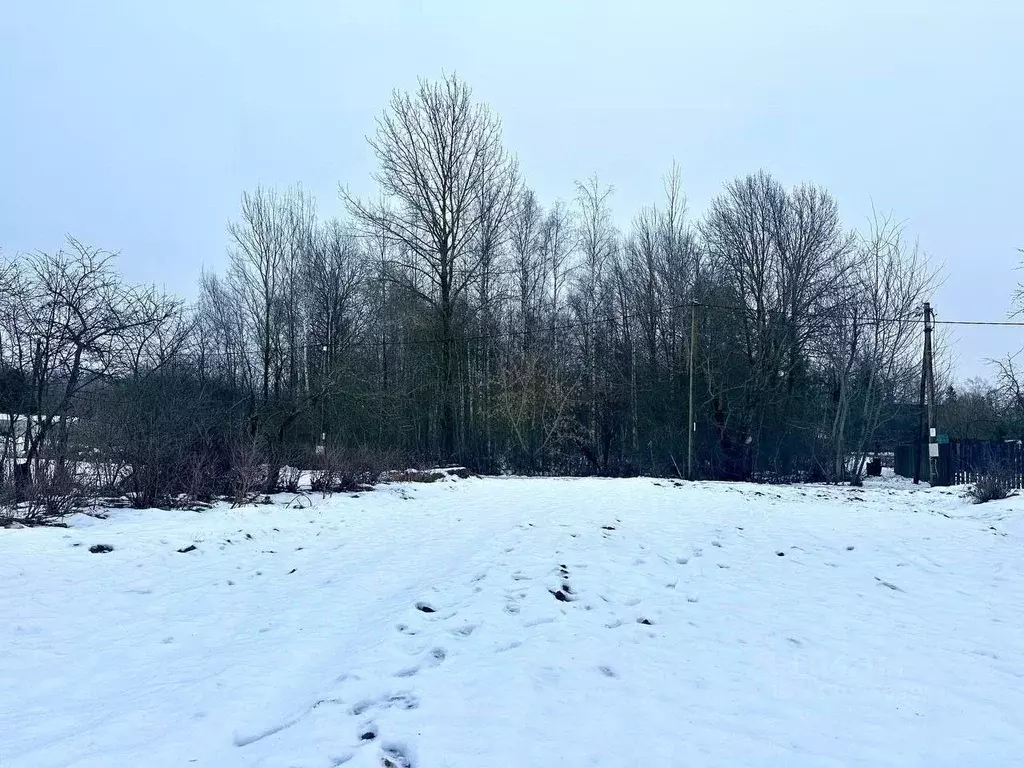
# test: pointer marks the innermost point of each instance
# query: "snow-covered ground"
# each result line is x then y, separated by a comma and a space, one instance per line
522, 623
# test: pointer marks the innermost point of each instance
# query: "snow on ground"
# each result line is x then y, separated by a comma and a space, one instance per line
522, 623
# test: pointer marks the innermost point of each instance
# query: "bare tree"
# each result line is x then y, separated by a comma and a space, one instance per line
597, 248
261, 241
893, 279
69, 324
334, 275
223, 345
527, 264
558, 243
438, 151
782, 259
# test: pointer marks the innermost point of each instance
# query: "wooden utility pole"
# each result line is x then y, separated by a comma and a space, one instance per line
692, 423
933, 452
919, 442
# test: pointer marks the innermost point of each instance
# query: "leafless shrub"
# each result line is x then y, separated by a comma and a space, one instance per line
428, 475
247, 470
360, 467
109, 475
203, 478
991, 486
325, 476
56, 492
323, 480
347, 470
8, 503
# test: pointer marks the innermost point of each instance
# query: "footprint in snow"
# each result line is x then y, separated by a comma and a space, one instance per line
682, 560
464, 631
396, 755
400, 700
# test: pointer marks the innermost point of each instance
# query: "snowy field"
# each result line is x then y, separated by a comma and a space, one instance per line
523, 623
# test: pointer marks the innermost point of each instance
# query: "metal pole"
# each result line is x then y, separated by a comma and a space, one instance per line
322, 448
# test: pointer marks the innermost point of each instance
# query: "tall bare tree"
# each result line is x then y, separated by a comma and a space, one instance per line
597, 248
781, 258
527, 263
261, 242
438, 152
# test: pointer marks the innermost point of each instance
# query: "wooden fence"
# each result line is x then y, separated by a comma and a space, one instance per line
972, 459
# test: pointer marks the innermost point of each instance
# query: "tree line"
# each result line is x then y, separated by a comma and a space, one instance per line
457, 318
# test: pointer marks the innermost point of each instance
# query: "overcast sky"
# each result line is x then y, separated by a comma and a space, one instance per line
135, 126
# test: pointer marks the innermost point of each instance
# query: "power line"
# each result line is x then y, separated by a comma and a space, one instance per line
1006, 323
625, 317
